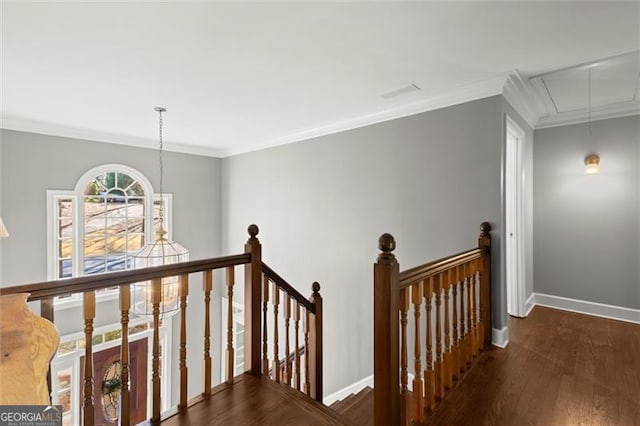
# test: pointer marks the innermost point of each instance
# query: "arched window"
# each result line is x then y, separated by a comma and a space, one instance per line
109, 215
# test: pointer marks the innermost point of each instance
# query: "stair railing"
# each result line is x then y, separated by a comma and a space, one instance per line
454, 294
303, 372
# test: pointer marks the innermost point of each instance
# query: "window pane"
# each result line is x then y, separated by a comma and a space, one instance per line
65, 248
64, 399
135, 190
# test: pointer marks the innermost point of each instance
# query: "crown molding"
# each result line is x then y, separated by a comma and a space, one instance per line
621, 109
517, 91
467, 93
32, 126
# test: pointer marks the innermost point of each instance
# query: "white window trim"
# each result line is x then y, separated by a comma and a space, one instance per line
77, 195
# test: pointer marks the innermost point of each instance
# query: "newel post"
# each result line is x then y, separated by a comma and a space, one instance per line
386, 367
252, 301
484, 242
315, 343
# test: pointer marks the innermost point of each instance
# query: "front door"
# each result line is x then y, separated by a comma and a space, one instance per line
106, 388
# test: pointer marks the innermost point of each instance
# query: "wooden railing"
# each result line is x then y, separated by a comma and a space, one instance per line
455, 295
304, 372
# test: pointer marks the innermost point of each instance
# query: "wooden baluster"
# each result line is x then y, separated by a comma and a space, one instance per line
265, 338
47, 312
307, 383
446, 285
405, 403
438, 366
418, 396
296, 318
276, 349
484, 242
315, 337
430, 388
155, 359
454, 276
230, 351
467, 268
184, 372
207, 287
89, 308
462, 335
287, 348
125, 394
472, 309
478, 294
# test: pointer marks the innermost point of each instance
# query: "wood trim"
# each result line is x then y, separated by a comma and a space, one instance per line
288, 288
86, 283
439, 266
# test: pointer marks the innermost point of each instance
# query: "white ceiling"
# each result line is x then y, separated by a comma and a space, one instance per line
236, 77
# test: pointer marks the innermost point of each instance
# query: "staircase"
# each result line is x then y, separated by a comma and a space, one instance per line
357, 408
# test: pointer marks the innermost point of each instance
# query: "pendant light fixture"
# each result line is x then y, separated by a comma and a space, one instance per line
160, 252
591, 161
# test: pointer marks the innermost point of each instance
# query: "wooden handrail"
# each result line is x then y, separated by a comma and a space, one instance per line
47, 289
464, 277
288, 288
436, 267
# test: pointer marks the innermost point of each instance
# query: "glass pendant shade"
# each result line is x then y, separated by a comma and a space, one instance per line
158, 253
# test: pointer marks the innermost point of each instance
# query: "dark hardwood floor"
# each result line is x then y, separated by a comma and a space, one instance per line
559, 368
256, 400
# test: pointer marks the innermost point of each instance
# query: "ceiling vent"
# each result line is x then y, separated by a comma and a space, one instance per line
401, 91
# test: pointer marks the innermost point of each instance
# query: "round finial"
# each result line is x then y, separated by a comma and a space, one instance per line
485, 227
386, 243
253, 230
315, 287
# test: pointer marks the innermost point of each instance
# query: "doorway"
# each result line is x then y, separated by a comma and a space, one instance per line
514, 219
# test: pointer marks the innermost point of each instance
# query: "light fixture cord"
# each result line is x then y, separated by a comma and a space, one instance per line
161, 173
589, 102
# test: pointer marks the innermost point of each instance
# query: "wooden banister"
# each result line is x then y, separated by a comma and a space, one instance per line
456, 292
289, 371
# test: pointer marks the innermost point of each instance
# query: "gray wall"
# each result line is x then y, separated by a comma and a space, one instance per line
586, 243
429, 179
33, 163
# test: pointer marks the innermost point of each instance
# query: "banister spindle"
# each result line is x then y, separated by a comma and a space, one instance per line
125, 394
89, 309
446, 278
462, 335
455, 276
184, 372
155, 359
207, 286
469, 349
418, 397
296, 319
276, 349
287, 349
307, 383
428, 374
405, 403
472, 308
265, 338
438, 367
230, 350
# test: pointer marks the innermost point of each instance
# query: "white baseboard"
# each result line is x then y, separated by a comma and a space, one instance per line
589, 308
530, 304
500, 338
348, 390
